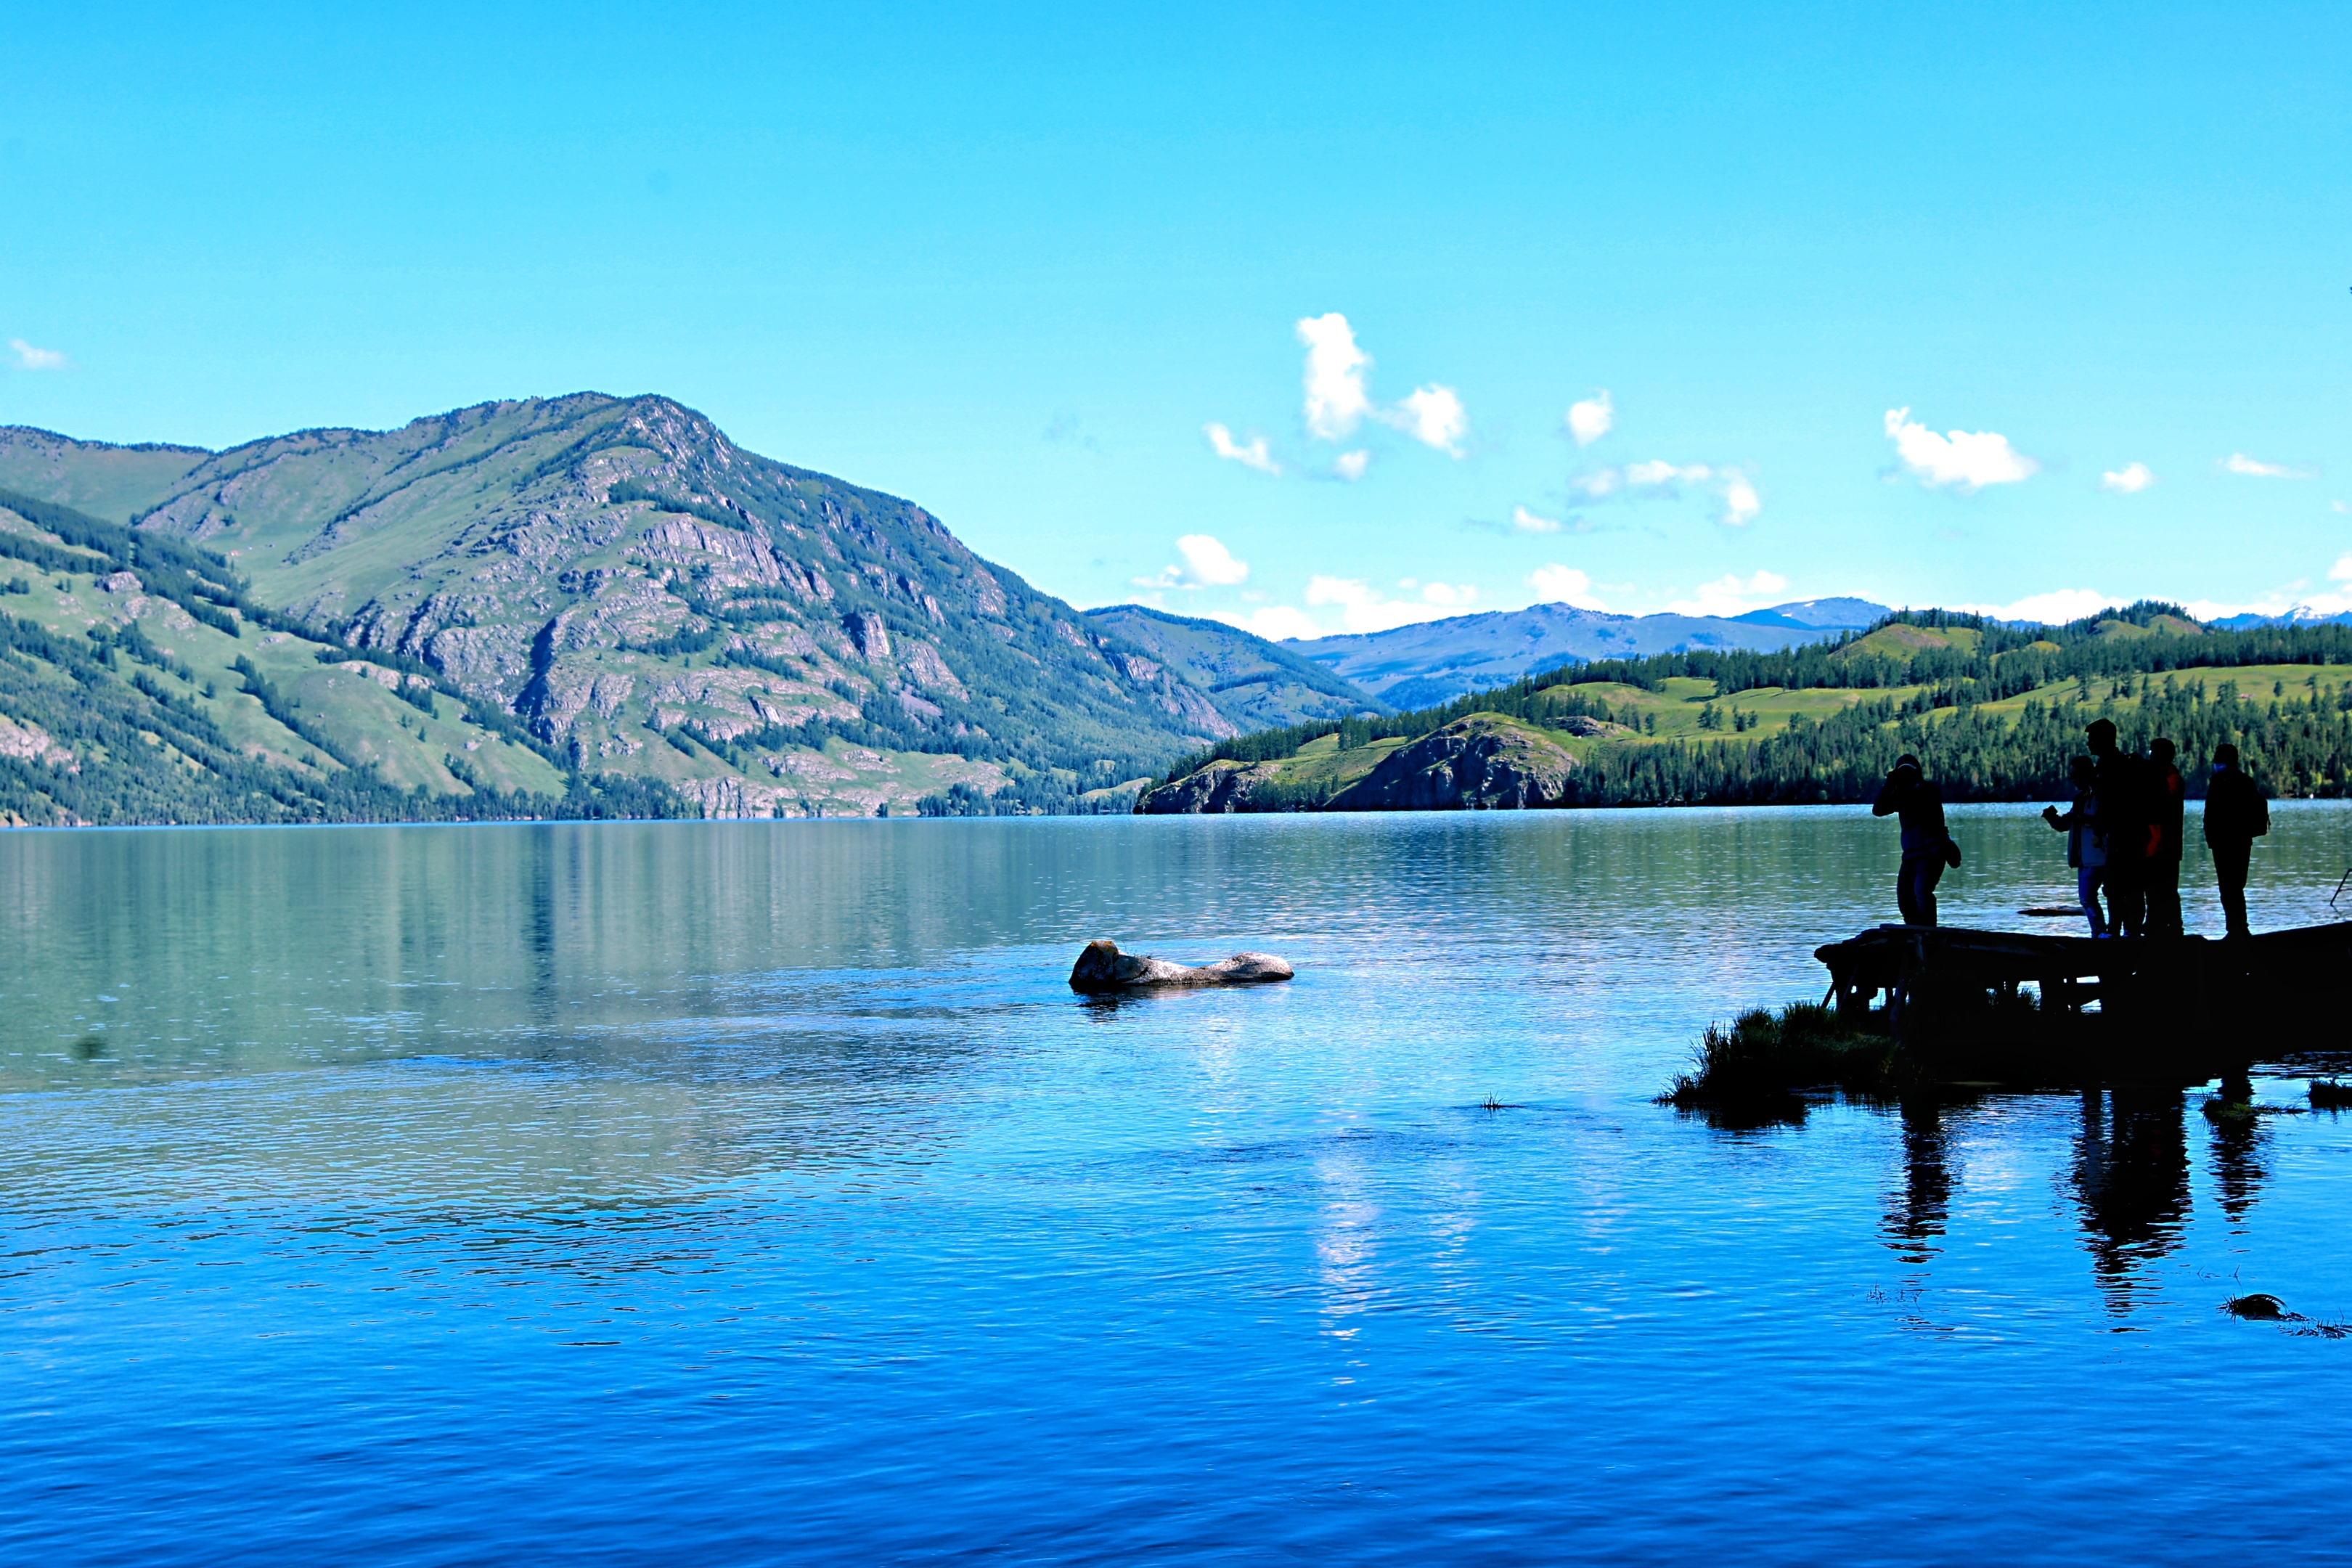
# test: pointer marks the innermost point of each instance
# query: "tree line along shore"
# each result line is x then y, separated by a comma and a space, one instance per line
1996, 711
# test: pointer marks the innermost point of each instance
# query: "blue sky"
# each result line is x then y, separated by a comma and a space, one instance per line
1975, 305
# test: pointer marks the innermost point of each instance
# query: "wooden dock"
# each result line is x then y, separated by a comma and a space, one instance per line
2165, 983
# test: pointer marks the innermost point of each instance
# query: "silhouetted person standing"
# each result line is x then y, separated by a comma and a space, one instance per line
2167, 795
2085, 848
2123, 818
2235, 815
1927, 847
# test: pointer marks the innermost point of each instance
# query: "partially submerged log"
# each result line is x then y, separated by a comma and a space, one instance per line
1101, 967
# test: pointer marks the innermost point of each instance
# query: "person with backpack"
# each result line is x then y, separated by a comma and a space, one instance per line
2235, 815
1927, 847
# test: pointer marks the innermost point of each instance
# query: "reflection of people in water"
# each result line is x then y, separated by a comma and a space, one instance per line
2239, 1144
1915, 1220
2131, 1177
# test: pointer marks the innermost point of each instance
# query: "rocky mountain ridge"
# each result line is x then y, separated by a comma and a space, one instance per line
649, 599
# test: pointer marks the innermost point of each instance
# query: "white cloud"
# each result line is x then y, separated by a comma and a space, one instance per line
1557, 585
1206, 565
1209, 563
1254, 456
1969, 460
30, 358
1590, 420
1730, 595
2127, 480
2254, 468
1349, 466
1664, 473
1740, 501
1452, 595
2055, 607
2288, 599
1362, 607
1433, 415
1526, 521
1336, 400
2339, 507
1274, 622
1322, 590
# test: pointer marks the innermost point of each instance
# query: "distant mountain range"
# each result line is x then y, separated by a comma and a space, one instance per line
2301, 616
1432, 661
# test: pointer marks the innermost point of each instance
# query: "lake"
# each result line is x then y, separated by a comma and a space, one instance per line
736, 1193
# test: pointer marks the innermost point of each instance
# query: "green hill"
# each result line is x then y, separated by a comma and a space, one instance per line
586, 597
1257, 683
1994, 711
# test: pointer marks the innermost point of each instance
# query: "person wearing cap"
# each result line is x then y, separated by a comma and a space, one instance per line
1927, 847
2168, 793
2126, 820
2235, 815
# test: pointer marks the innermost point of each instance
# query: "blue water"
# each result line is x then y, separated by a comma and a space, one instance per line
739, 1193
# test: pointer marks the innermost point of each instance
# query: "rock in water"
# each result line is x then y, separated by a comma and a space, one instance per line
1102, 967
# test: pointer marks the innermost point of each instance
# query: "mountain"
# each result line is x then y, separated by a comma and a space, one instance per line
1256, 684
1842, 614
1995, 710
1430, 661
582, 592
2301, 616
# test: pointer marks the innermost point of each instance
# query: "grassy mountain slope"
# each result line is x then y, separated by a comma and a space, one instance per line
1994, 711
648, 600
119, 704
113, 483
1255, 683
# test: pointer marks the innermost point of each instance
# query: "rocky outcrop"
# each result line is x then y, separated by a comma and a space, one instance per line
1221, 787
1102, 968
868, 634
29, 742
924, 663
1482, 763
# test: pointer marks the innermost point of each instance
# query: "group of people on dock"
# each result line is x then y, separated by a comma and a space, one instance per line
2123, 835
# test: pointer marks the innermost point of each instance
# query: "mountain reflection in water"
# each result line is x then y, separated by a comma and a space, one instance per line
757, 1192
